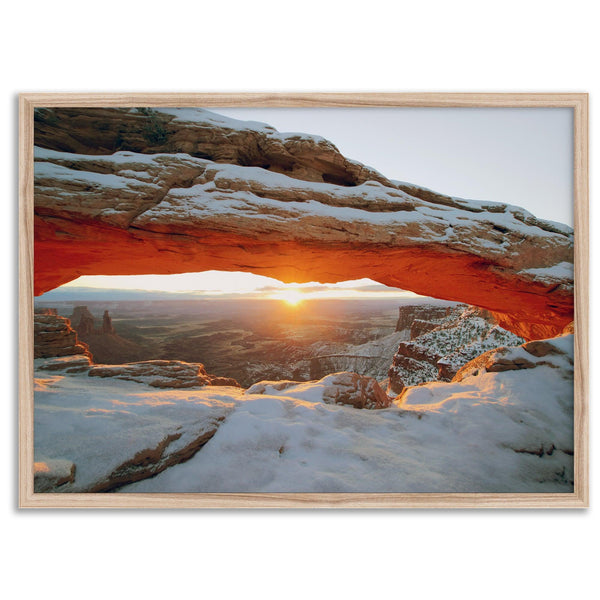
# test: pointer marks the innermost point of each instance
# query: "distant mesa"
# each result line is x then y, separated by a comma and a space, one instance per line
419, 318
107, 326
103, 341
190, 191
56, 341
84, 323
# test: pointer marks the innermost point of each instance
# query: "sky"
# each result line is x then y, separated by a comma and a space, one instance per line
217, 284
521, 156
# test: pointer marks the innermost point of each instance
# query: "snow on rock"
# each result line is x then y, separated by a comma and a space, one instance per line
346, 388
498, 431
51, 474
525, 405
70, 364
117, 431
187, 190
440, 346
554, 274
556, 353
162, 374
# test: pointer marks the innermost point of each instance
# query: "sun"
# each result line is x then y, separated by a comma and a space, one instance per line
291, 297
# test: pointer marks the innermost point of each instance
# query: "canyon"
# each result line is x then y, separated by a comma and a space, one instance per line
263, 339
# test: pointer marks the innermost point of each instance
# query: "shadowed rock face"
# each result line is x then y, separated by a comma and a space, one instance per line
201, 134
83, 321
53, 336
229, 195
56, 341
107, 326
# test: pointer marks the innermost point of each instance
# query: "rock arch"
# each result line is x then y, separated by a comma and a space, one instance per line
215, 193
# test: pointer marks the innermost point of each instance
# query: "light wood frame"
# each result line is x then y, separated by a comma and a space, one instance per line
578, 499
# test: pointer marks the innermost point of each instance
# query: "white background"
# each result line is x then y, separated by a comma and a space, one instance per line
279, 46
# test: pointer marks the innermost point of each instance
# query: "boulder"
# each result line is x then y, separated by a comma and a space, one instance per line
351, 389
354, 390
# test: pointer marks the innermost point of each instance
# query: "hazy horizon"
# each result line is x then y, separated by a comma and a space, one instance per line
217, 285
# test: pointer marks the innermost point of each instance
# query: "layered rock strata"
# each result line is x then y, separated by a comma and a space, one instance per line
555, 353
438, 348
163, 374
187, 190
56, 341
412, 317
54, 336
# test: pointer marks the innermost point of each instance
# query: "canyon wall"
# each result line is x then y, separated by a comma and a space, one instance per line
441, 342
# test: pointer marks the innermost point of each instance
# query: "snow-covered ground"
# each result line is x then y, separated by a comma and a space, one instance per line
508, 431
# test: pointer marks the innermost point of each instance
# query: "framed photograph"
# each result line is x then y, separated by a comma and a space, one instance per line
303, 300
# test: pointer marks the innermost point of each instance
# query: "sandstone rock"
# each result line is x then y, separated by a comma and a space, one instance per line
507, 364
446, 370
199, 133
443, 347
419, 327
151, 461
540, 348
306, 214
261, 386
107, 326
53, 336
51, 474
346, 388
354, 390
76, 363
83, 321
569, 328
163, 374
411, 314
555, 353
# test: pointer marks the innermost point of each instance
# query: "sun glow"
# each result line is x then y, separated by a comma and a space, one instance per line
291, 296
